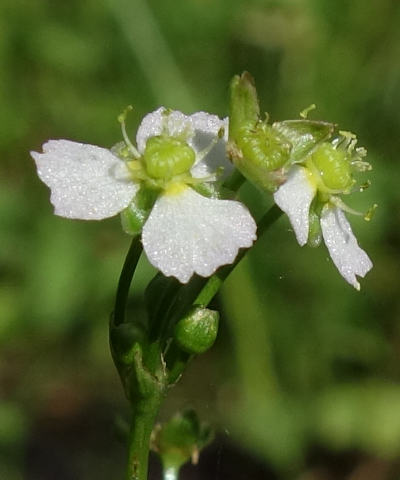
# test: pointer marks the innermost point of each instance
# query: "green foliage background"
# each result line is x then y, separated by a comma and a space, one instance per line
302, 359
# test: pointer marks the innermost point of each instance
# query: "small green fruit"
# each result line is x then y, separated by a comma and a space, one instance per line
197, 331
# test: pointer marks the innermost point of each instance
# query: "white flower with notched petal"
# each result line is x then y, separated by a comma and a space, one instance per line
295, 197
185, 233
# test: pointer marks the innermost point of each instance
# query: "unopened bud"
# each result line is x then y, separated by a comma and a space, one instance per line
179, 440
197, 331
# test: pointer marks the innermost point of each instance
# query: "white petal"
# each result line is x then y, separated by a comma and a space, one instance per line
187, 233
86, 182
343, 248
174, 123
294, 197
206, 128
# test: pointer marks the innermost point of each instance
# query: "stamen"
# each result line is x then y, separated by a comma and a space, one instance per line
208, 178
121, 120
136, 170
335, 142
221, 132
304, 113
348, 135
340, 204
361, 152
367, 216
121, 150
164, 122
371, 212
364, 186
358, 188
201, 155
360, 166
347, 141
165, 130
352, 145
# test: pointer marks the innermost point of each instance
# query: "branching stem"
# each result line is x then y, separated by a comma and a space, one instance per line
199, 292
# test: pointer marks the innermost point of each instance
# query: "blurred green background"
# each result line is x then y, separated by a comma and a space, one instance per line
304, 381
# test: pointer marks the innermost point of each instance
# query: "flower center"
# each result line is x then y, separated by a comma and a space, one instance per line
166, 157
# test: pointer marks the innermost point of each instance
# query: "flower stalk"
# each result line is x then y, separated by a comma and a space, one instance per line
144, 414
125, 279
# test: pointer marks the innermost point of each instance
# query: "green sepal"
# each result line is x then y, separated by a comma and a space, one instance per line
219, 190
123, 337
181, 439
139, 382
176, 360
133, 219
208, 189
197, 331
158, 295
304, 135
314, 232
244, 110
134, 216
142, 382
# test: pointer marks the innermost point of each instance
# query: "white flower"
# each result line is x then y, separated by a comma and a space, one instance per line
186, 233
294, 197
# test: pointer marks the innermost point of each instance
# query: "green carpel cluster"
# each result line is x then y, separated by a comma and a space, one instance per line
333, 167
267, 148
166, 157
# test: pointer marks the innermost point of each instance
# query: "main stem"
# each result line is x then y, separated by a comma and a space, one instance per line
143, 418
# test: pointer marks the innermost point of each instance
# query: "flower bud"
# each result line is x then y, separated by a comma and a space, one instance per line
166, 157
180, 439
196, 332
